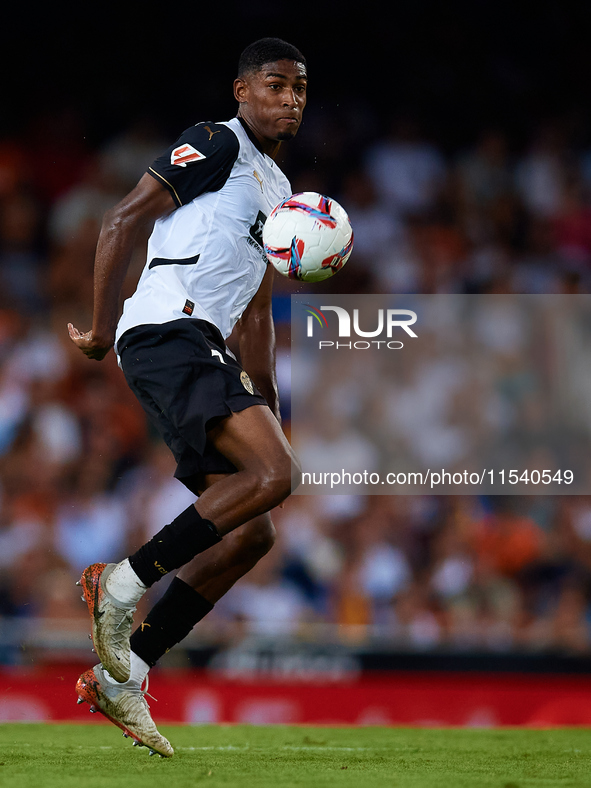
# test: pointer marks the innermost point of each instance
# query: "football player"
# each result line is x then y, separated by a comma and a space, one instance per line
205, 276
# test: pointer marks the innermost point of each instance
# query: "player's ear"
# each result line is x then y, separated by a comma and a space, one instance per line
240, 90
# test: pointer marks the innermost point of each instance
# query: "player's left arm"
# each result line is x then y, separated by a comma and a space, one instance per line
255, 332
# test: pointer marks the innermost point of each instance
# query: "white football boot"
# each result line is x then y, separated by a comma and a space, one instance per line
111, 621
124, 705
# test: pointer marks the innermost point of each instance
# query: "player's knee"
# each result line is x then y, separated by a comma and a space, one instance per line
257, 538
274, 482
291, 475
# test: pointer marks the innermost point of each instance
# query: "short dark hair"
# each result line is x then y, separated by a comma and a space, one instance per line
267, 50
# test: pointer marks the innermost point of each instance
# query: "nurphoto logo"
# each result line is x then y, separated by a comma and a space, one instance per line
385, 322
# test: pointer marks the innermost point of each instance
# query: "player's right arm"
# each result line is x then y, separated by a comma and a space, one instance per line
148, 201
201, 160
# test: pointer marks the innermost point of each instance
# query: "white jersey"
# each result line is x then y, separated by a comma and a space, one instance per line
205, 260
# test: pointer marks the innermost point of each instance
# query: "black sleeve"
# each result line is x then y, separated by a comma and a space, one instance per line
199, 161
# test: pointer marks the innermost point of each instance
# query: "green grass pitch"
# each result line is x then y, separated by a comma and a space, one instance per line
97, 756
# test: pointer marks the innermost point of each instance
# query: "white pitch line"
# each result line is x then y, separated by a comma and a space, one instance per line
334, 749
231, 747
226, 747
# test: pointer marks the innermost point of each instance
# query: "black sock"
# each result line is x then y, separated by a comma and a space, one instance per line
170, 621
174, 546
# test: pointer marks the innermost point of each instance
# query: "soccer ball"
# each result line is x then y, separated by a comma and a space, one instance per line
308, 237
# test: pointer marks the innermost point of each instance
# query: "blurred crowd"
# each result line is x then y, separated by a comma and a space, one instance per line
82, 477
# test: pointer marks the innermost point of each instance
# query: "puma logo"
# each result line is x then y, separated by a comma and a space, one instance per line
160, 568
259, 179
211, 133
143, 624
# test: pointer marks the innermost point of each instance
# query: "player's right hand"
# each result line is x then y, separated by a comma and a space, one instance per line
93, 348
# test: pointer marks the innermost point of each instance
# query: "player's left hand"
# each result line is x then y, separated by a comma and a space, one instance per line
92, 348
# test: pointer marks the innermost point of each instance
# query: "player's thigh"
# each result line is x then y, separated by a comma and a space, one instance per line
252, 439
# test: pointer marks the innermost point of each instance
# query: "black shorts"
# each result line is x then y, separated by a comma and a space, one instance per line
187, 381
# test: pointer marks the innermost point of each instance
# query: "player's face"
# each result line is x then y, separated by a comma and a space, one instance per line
272, 100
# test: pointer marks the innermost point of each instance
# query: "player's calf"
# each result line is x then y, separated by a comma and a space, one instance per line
198, 585
175, 545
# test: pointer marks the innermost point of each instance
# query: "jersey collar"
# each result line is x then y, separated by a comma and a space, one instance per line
250, 135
